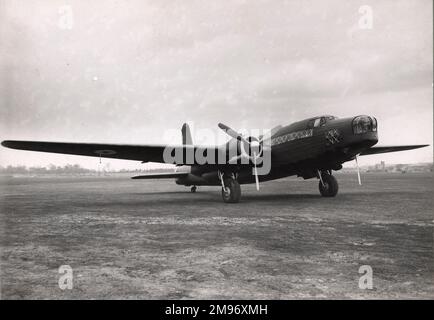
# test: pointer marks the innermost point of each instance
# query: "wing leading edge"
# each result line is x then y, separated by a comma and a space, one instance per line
144, 153
385, 149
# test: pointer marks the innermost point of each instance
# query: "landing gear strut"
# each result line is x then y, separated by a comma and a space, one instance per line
193, 189
231, 190
328, 185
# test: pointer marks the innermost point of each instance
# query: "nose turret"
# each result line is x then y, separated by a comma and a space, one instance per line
363, 124
364, 132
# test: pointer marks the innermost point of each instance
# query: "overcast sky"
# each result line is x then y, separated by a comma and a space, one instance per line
127, 71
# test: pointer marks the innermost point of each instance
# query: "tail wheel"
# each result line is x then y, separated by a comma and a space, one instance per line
329, 186
232, 191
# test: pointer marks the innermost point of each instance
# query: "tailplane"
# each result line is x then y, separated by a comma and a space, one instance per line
161, 175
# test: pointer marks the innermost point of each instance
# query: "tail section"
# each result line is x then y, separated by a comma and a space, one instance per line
186, 135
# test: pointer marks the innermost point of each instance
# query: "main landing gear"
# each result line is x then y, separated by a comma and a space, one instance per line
231, 190
328, 185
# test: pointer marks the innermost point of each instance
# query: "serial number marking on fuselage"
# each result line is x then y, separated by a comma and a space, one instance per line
292, 136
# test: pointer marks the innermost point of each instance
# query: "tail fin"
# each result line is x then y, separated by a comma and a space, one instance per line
186, 135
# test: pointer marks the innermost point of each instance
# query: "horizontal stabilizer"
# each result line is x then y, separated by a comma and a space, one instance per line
163, 175
385, 149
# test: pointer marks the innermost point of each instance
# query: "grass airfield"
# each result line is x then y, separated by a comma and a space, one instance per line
140, 239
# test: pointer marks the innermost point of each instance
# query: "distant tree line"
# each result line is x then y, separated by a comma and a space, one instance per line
70, 169
67, 169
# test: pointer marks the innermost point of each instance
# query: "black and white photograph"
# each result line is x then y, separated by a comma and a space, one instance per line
216, 150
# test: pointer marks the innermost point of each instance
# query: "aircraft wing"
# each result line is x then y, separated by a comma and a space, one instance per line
385, 149
145, 153
163, 175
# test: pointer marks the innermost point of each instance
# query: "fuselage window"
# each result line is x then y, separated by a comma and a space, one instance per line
317, 122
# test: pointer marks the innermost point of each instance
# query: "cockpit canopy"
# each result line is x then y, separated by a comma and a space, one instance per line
363, 124
319, 121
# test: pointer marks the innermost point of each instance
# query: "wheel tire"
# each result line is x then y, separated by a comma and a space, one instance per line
330, 188
232, 194
193, 189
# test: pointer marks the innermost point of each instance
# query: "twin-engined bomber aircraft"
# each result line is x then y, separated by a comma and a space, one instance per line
310, 148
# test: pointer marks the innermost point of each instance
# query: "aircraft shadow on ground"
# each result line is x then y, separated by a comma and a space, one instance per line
214, 196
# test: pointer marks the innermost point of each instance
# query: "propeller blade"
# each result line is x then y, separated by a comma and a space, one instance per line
231, 132
235, 159
358, 171
256, 171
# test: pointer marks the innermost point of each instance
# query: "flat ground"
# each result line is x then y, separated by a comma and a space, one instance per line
128, 239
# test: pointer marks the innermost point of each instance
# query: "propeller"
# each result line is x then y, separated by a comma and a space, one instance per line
254, 144
358, 170
256, 171
231, 132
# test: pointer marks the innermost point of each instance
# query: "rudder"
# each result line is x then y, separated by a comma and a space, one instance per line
186, 135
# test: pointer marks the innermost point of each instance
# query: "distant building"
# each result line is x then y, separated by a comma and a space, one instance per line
419, 167
378, 167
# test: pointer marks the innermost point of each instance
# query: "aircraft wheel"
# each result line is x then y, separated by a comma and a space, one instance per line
330, 187
193, 189
232, 192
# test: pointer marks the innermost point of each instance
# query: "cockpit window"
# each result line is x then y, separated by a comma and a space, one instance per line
330, 118
374, 124
319, 122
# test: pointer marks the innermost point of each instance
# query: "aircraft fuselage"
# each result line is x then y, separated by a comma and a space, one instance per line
303, 148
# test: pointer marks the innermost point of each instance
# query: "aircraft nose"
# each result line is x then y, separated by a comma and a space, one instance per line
364, 131
363, 124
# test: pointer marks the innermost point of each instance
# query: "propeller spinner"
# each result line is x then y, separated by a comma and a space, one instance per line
255, 146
